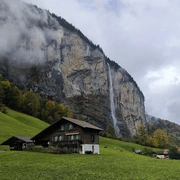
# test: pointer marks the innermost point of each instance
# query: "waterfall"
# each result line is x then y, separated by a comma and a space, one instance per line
111, 95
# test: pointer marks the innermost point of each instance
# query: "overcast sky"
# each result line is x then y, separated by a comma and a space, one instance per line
142, 36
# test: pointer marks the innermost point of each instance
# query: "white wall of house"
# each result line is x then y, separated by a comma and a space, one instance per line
90, 147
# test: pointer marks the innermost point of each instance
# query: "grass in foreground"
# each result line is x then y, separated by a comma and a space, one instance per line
109, 165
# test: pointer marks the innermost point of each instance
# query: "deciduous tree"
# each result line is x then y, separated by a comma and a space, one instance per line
160, 139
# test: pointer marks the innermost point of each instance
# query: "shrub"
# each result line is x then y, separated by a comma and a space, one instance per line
29, 147
173, 153
119, 138
35, 148
147, 151
4, 148
133, 149
3, 108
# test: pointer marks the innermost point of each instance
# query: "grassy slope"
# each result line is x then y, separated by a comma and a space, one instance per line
18, 124
110, 165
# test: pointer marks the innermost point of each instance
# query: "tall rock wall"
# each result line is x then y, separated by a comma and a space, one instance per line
51, 57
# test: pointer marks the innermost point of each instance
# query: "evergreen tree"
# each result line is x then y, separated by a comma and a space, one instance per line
14, 98
110, 131
1, 94
142, 135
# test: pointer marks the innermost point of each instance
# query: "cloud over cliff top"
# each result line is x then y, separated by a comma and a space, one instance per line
23, 33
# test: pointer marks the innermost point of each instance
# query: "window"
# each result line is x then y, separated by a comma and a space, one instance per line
55, 138
72, 137
77, 136
92, 137
61, 138
62, 128
71, 127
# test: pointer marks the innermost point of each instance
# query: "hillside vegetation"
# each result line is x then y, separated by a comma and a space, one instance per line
32, 104
172, 129
18, 124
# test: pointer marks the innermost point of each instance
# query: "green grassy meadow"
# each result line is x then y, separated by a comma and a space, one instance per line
18, 124
110, 164
115, 162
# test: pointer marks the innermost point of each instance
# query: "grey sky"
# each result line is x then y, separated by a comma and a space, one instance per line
142, 36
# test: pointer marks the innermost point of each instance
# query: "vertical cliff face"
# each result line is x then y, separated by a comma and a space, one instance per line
129, 102
54, 59
83, 68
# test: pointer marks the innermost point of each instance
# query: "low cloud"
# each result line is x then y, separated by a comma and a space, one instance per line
22, 38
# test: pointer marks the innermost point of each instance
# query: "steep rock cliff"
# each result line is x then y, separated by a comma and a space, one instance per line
49, 56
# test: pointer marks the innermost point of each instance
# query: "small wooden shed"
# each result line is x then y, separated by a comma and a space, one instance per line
18, 142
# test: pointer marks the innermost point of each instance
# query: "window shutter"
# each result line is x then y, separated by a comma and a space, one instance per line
66, 127
52, 138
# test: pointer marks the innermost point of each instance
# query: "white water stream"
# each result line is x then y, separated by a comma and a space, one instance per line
111, 95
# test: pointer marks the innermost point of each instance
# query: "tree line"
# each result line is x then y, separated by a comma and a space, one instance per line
147, 136
159, 138
32, 104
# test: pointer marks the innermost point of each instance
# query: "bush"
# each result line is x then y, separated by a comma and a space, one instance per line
4, 148
38, 148
133, 149
147, 151
32, 147
52, 149
173, 153
119, 138
3, 108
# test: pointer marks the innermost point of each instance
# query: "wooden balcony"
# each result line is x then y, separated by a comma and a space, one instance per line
67, 143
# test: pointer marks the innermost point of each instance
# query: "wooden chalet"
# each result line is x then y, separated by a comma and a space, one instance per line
18, 142
70, 135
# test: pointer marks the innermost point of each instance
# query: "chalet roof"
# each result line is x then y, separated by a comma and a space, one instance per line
80, 123
25, 139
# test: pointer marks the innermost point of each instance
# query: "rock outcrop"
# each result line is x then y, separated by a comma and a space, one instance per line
49, 56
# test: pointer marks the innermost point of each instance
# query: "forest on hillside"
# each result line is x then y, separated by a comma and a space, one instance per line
32, 104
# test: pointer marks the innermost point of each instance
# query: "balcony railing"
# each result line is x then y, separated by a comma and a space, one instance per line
67, 142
